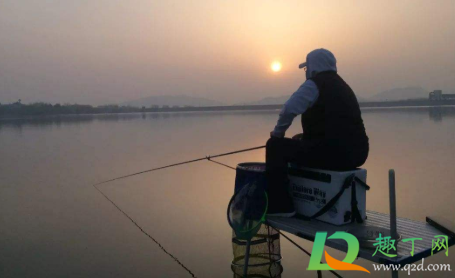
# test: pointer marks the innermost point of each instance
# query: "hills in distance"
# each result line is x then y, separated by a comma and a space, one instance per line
185, 100
389, 95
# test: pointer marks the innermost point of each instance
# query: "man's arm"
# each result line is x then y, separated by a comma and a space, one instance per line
297, 104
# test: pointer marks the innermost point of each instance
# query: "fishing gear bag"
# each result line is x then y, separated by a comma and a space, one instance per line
331, 196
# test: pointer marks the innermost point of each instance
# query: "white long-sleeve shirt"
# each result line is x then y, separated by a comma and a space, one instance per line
305, 97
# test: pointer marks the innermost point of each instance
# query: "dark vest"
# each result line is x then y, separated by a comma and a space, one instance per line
335, 118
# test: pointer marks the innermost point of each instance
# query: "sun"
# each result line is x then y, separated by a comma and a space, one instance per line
275, 66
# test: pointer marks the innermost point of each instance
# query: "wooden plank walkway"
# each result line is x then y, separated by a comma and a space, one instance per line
406, 228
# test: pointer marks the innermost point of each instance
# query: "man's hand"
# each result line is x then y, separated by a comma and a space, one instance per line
298, 136
276, 135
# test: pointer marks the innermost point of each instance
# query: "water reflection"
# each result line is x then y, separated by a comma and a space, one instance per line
437, 113
71, 120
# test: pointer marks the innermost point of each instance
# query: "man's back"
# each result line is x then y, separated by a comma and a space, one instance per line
335, 118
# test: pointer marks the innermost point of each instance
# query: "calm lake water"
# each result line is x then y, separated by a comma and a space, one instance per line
53, 223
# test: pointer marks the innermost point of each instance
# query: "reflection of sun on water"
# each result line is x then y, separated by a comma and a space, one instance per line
276, 66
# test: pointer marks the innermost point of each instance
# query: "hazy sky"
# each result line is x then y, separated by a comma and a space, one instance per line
108, 51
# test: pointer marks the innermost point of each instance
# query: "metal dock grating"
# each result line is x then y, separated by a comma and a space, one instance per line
406, 228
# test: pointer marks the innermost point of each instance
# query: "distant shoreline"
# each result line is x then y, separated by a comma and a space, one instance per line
369, 104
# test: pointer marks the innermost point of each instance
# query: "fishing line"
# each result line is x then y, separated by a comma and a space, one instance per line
147, 234
219, 163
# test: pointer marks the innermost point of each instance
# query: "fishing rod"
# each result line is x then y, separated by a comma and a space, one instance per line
209, 157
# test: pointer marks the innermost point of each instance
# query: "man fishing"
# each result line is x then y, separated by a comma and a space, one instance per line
334, 136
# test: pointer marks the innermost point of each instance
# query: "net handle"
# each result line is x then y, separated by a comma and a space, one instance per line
261, 221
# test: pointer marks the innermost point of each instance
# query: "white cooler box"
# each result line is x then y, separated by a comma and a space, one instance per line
312, 189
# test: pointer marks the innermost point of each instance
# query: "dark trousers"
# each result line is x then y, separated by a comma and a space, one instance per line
313, 154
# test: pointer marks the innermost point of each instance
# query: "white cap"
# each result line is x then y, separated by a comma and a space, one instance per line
319, 60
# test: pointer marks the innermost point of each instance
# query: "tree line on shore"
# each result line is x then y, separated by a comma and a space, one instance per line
18, 109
